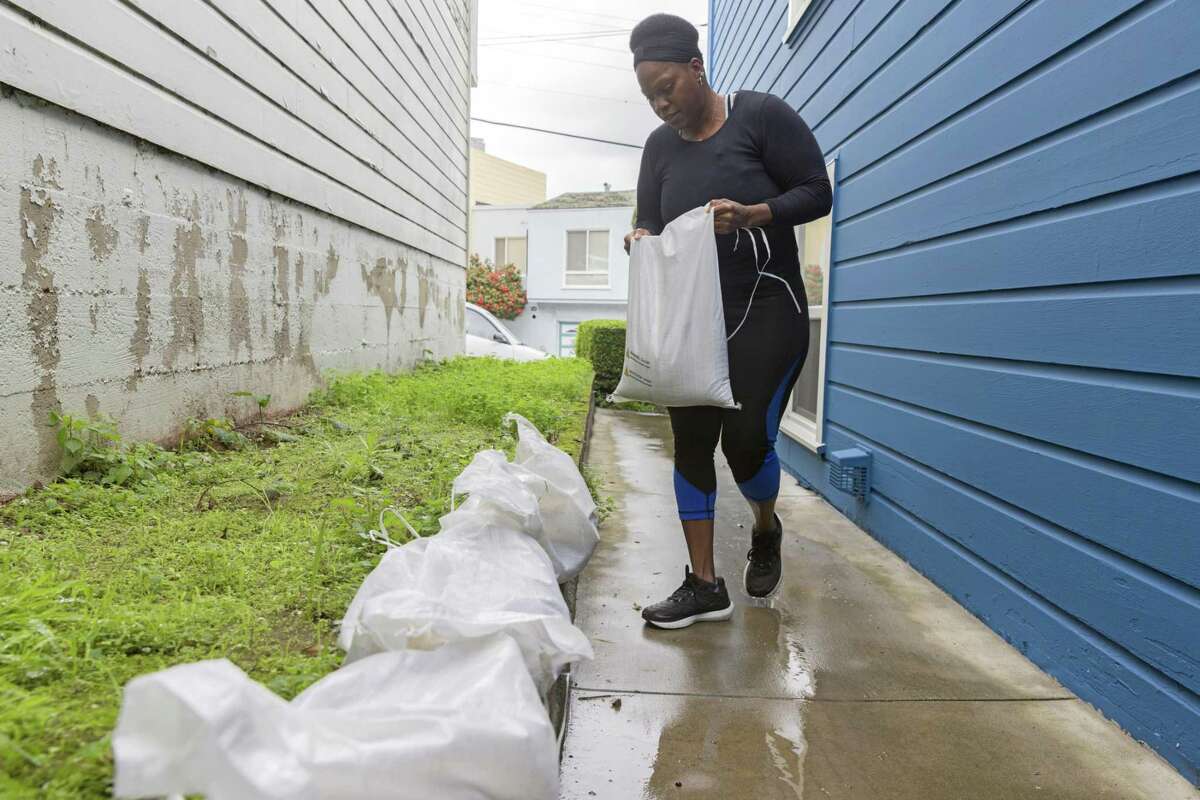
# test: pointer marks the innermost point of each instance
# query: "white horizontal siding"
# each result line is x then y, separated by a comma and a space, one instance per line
355, 107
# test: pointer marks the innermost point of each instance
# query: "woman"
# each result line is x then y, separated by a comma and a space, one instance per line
757, 166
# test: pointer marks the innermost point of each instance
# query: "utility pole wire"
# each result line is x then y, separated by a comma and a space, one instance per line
541, 89
575, 42
513, 38
508, 49
533, 38
556, 133
578, 13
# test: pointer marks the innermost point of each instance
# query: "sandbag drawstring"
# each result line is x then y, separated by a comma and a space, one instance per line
761, 272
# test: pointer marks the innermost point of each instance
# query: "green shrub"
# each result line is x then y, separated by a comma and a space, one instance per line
602, 342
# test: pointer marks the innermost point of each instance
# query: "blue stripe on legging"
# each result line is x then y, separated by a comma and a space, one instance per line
693, 504
765, 483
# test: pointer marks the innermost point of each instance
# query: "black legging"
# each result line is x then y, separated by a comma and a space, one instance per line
765, 359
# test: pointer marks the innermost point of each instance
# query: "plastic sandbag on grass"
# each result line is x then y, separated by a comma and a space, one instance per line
542, 492
463, 722
538, 455
475, 578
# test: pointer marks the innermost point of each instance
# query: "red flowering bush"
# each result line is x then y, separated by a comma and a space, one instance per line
498, 289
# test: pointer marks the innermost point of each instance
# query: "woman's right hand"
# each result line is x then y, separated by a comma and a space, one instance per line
634, 234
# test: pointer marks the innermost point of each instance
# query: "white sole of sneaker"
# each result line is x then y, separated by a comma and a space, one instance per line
768, 595
708, 616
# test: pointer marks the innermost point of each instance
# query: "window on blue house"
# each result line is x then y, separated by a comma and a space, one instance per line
804, 419
796, 9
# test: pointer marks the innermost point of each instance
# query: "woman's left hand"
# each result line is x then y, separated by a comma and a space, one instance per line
728, 216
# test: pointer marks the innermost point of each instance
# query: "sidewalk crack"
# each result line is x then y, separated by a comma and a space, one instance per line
613, 692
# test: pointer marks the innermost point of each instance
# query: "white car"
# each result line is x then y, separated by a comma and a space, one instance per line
487, 336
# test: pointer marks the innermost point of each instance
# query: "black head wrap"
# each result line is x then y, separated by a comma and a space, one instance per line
665, 37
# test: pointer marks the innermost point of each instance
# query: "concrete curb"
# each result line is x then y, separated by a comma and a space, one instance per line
560, 692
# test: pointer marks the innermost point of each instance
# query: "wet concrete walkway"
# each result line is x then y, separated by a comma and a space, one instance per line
859, 681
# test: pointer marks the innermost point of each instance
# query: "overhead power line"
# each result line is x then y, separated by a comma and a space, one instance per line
567, 36
569, 60
541, 89
574, 42
556, 133
576, 13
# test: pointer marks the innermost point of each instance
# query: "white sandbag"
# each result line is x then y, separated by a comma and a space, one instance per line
543, 458
509, 488
472, 580
542, 493
675, 350
463, 722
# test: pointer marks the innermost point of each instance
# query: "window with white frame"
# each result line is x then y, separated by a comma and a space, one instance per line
796, 9
804, 419
587, 260
512, 250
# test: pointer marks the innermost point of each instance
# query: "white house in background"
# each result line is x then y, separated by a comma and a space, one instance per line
500, 234
571, 251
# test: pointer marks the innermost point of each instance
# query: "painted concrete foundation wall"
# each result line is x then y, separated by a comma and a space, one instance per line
143, 285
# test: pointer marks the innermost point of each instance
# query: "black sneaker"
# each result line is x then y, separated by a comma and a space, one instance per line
695, 601
764, 567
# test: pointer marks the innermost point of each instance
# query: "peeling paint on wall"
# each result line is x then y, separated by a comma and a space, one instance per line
102, 236
381, 282
239, 300
280, 298
143, 224
139, 344
325, 278
187, 304
39, 214
423, 292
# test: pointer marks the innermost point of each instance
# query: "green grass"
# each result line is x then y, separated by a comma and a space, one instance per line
251, 554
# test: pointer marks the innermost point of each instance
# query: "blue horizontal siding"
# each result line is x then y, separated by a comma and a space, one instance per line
1144, 515
1048, 100
876, 43
1152, 327
1131, 145
972, 52
1130, 419
1087, 242
1015, 321
838, 50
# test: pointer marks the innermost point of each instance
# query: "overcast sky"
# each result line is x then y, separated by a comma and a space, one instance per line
530, 81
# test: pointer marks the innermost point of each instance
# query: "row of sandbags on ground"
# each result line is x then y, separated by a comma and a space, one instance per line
452, 643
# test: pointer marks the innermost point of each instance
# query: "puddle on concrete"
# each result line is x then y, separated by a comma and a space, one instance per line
663, 747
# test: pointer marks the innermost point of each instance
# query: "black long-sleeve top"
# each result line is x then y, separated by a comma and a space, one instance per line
764, 152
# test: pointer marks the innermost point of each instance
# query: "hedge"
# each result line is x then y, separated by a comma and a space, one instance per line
602, 342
